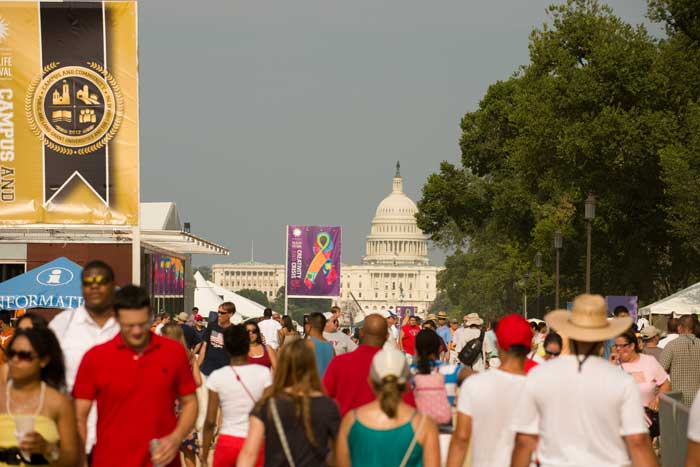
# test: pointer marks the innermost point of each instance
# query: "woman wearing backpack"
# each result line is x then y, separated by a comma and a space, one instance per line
387, 432
434, 381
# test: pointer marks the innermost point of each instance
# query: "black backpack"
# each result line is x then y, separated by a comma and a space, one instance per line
471, 351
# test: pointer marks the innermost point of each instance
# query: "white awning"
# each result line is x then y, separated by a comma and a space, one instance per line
173, 241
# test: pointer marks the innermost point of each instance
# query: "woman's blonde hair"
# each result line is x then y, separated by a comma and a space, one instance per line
175, 332
389, 392
296, 376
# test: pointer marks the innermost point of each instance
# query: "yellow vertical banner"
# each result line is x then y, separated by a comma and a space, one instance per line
69, 142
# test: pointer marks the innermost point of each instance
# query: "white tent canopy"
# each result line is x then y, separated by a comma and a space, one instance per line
685, 302
208, 296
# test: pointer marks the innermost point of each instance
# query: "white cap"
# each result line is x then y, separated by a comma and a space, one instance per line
389, 362
328, 315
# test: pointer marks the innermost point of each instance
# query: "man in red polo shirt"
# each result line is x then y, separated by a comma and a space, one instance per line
135, 379
407, 339
347, 376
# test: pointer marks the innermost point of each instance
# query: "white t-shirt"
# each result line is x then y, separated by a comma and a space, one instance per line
342, 343
269, 329
235, 402
662, 343
489, 398
580, 417
694, 422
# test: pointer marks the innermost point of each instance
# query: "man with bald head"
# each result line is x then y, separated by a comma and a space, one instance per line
681, 359
347, 376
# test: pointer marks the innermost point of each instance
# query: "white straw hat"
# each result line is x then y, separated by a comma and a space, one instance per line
588, 320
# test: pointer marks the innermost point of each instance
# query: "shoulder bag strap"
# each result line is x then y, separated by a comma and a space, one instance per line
412, 446
245, 388
280, 433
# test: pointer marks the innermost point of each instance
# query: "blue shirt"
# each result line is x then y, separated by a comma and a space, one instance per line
445, 333
324, 354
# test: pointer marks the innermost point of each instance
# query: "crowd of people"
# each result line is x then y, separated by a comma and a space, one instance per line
114, 384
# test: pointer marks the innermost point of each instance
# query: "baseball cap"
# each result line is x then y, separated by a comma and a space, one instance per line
198, 317
391, 314
513, 330
650, 332
389, 362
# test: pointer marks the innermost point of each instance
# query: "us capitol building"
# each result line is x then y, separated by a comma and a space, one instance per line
395, 270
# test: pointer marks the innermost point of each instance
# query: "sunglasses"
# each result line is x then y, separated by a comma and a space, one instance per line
224, 312
252, 331
24, 355
553, 354
442, 319
97, 280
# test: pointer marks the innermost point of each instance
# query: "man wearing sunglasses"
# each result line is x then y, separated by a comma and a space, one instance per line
93, 323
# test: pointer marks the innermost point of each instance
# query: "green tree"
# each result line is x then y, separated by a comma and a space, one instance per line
298, 307
256, 295
205, 271
593, 111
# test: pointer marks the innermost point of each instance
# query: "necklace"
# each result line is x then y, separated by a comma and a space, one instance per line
42, 394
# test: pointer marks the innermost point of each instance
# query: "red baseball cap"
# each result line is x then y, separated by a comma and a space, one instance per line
198, 317
513, 330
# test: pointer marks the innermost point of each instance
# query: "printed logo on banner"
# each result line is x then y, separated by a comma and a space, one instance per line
54, 277
4, 29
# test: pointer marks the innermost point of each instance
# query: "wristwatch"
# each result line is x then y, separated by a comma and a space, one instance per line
53, 454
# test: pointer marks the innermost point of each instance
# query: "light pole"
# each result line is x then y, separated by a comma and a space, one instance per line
557, 246
589, 215
525, 279
538, 265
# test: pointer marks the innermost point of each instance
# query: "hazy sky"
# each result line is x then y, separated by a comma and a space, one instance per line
258, 114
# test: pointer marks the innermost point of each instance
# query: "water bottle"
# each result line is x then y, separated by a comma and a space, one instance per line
153, 445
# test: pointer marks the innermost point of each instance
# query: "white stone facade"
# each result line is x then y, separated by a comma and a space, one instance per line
395, 270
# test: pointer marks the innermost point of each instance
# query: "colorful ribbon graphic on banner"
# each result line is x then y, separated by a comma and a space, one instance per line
322, 261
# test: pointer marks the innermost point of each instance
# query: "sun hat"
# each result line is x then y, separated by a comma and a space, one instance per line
430, 317
513, 330
649, 332
389, 362
587, 321
182, 317
474, 319
442, 314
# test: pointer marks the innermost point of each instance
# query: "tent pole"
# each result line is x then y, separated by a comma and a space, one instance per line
286, 270
136, 255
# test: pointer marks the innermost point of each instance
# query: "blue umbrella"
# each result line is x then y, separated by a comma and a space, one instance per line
53, 285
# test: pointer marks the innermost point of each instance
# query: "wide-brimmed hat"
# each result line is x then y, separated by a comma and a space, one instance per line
442, 314
431, 317
474, 319
182, 317
588, 320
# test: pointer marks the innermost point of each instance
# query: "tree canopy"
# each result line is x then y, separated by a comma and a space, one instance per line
602, 107
256, 295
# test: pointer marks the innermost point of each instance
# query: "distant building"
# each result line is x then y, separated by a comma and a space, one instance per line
394, 271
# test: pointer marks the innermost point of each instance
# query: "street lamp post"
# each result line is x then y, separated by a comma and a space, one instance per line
525, 279
557, 246
589, 215
538, 265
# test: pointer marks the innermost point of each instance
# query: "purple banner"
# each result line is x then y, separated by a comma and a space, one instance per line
628, 301
313, 261
167, 275
404, 312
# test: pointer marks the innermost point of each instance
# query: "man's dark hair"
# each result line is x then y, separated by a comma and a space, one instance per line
542, 326
430, 323
229, 306
672, 326
195, 310
99, 265
494, 325
687, 322
267, 313
6, 316
518, 351
620, 309
553, 337
236, 341
317, 321
335, 309
131, 297
533, 325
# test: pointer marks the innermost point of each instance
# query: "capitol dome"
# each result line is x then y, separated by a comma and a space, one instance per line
395, 238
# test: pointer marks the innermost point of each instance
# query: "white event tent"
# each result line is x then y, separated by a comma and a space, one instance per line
685, 302
208, 296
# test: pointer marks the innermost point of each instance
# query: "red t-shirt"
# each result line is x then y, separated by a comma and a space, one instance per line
135, 396
347, 379
409, 338
529, 365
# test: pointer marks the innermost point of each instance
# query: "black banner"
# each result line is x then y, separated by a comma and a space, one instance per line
72, 35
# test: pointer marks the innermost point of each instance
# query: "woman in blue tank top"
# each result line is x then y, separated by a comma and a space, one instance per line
387, 432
